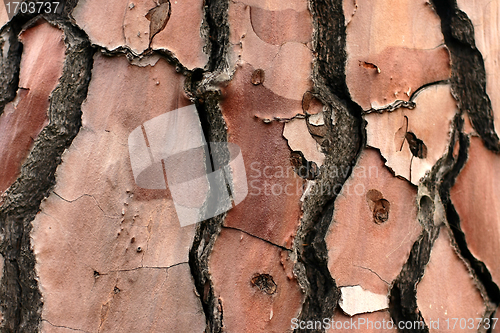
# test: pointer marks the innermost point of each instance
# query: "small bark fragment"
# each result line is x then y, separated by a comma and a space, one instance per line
158, 16
258, 77
299, 139
356, 300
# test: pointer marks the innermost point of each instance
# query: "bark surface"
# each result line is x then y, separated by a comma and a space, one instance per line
335, 161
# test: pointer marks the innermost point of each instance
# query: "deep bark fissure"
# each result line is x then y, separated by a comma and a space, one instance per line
489, 289
201, 86
402, 298
469, 89
468, 79
468, 83
342, 146
9, 70
20, 297
217, 34
403, 293
434, 190
208, 230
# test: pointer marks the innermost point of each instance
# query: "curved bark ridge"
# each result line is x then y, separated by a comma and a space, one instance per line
366, 140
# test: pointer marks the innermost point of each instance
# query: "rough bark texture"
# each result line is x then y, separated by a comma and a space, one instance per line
20, 293
367, 141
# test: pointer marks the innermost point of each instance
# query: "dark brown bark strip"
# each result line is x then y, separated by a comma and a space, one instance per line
403, 303
208, 231
9, 66
217, 33
205, 93
469, 88
489, 289
468, 78
20, 297
342, 145
487, 286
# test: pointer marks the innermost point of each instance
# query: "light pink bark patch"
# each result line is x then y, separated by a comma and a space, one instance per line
430, 122
476, 197
108, 253
255, 283
374, 226
392, 50
447, 289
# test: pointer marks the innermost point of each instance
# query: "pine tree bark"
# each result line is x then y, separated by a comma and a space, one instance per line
335, 163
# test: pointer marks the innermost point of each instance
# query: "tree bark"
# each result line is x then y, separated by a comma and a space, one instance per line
254, 166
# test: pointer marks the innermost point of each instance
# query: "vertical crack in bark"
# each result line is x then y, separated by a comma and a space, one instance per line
207, 231
403, 294
434, 196
201, 85
468, 79
489, 289
342, 145
469, 88
402, 297
20, 298
217, 33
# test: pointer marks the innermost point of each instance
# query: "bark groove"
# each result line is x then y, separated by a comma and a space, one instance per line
19, 293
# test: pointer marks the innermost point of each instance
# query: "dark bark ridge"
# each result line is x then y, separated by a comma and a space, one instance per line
216, 32
468, 83
208, 230
468, 78
403, 293
434, 191
20, 298
343, 144
489, 289
202, 87
469, 89
9, 67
